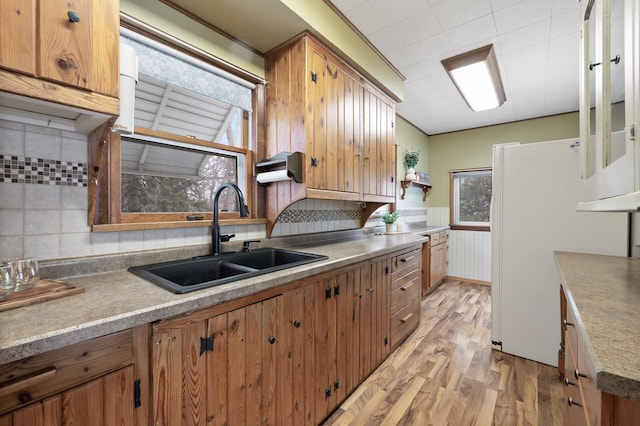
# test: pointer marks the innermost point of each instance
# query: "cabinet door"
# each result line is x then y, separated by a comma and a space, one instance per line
179, 374
380, 313
18, 35
426, 267
325, 346
335, 112
233, 368
378, 146
82, 54
434, 254
107, 401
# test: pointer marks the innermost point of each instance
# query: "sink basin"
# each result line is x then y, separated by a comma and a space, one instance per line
183, 276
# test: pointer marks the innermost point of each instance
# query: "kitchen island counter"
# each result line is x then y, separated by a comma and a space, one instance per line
606, 294
118, 300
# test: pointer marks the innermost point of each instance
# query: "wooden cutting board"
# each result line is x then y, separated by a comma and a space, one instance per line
43, 290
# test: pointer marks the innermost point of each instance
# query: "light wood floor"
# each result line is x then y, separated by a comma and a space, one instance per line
447, 374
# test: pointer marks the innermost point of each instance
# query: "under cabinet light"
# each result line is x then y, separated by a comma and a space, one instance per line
477, 78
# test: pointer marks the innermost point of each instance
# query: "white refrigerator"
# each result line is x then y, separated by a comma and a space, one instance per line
533, 213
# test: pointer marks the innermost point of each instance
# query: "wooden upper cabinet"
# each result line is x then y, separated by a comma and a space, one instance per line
85, 53
344, 125
71, 44
17, 35
335, 134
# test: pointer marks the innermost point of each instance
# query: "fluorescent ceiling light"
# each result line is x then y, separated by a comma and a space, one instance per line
477, 77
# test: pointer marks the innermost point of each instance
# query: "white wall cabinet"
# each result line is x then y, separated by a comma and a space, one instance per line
609, 98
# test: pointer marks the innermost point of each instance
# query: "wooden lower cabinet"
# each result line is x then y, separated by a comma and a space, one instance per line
88, 383
438, 270
245, 366
585, 404
405, 295
107, 401
289, 358
434, 261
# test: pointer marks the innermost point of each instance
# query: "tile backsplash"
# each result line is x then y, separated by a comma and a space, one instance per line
18, 169
44, 199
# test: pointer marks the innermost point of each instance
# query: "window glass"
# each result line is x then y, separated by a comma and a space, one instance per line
471, 196
162, 177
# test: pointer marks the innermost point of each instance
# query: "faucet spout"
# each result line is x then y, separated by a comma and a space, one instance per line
216, 238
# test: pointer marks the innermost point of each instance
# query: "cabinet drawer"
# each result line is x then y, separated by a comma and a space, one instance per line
443, 236
434, 238
398, 280
404, 322
405, 261
36, 377
405, 293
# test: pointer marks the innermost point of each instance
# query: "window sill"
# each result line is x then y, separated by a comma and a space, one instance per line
116, 227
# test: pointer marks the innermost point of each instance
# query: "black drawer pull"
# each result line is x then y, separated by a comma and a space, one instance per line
571, 402
578, 374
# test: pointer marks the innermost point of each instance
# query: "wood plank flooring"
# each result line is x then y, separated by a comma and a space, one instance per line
446, 373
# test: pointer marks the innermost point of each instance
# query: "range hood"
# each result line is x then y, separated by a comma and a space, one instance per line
622, 203
48, 114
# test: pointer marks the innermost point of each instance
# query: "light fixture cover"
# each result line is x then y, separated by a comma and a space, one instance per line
477, 78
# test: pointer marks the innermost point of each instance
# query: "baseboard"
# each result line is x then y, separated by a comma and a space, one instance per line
468, 280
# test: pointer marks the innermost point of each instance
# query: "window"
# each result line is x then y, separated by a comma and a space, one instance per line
470, 199
194, 130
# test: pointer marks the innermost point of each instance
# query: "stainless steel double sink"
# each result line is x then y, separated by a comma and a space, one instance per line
184, 276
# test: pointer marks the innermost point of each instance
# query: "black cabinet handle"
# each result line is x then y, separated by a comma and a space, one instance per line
571, 402
271, 340
568, 383
73, 16
567, 323
578, 374
296, 324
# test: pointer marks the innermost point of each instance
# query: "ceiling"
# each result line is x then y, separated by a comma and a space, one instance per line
536, 43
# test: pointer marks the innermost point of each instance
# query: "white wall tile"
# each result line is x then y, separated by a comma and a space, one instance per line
74, 198
74, 148
11, 222
104, 242
131, 241
11, 196
42, 197
75, 245
155, 239
175, 237
41, 222
10, 247
74, 221
11, 138
42, 247
42, 143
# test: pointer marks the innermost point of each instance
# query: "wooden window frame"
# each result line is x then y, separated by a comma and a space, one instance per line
452, 225
104, 213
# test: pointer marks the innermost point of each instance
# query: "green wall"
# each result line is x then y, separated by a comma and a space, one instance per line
473, 148
168, 20
410, 138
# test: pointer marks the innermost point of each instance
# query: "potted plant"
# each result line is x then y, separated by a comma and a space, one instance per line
389, 219
410, 160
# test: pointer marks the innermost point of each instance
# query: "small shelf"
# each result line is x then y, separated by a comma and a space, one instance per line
407, 183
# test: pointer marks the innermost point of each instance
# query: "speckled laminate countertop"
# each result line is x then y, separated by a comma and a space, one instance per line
118, 300
606, 293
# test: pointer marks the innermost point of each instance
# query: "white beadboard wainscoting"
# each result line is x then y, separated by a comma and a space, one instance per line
470, 255
469, 251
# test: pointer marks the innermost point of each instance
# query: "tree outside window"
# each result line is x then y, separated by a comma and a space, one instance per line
470, 199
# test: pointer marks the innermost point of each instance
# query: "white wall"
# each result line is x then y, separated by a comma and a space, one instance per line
469, 252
